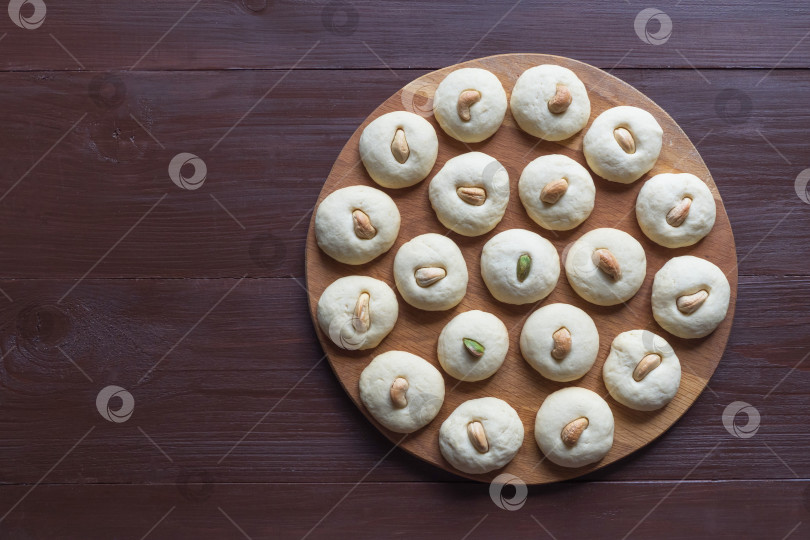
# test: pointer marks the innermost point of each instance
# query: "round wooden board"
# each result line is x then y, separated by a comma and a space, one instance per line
516, 382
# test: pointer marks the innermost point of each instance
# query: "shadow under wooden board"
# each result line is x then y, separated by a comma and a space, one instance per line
516, 382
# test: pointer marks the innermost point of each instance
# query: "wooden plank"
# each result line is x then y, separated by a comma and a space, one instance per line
61, 216
723, 510
188, 34
253, 364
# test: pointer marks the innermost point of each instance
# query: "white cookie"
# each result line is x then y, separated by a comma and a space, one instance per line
560, 341
483, 111
402, 406
398, 160
690, 297
519, 266
562, 408
430, 272
557, 192
338, 228
642, 371
608, 159
343, 315
593, 283
536, 93
502, 429
675, 210
473, 345
469, 194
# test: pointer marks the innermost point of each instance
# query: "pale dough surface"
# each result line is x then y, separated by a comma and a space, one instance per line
683, 276
663, 192
572, 208
504, 433
593, 284
536, 342
334, 224
375, 149
564, 406
424, 396
473, 169
486, 115
658, 387
604, 155
499, 260
529, 103
431, 250
486, 329
336, 310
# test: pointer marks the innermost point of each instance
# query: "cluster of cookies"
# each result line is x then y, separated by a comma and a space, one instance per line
574, 426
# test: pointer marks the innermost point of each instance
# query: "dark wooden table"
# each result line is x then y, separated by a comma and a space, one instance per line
193, 301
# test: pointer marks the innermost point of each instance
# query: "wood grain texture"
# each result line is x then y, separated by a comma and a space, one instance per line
284, 510
516, 382
310, 449
94, 185
228, 34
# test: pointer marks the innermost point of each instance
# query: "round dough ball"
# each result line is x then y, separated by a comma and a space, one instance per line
335, 224
466, 176
603, 153
595, 285
530, 97
422, 399
457, 359
337, 312
572, 207
660, 195
420, 260
503, 429
693, 278
657, 387
537, 342
501, 261
485, 115
560, 409
377, 154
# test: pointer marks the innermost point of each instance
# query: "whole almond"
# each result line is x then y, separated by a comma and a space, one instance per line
552, 191
362, 314
562, 343
689, 303
625, 140
573, 431
677, 215
561, 100
607, 263
428, 275
478, 437
646, 365
475, 196
466, 100
399, 146
362, 225
399, 390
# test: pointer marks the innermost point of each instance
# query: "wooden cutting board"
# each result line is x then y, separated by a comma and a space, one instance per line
516, 382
